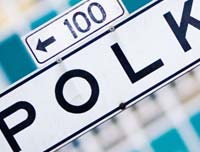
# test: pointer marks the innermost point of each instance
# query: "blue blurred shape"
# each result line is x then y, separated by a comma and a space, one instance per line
76, 143
195, 121
169, 142
133, 5
14, 59
43, 19
73, 2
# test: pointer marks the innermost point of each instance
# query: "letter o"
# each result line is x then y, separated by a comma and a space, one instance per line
94, 91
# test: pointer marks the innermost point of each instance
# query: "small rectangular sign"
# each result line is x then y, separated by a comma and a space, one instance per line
101, 78
66, 30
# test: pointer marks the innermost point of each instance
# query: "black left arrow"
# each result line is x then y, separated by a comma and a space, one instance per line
42, 45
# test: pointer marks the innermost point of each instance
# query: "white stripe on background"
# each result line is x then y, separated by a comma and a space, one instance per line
3, 82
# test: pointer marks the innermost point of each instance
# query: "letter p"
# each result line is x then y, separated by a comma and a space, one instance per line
10, 132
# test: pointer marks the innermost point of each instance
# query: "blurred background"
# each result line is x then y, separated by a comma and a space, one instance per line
166, 121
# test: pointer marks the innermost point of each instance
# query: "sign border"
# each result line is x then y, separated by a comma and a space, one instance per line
125, 104
54, 20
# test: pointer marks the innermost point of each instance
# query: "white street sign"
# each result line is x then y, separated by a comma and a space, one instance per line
101, 78
73, 26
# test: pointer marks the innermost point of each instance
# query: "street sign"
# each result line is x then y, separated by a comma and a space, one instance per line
113, 71
70, 28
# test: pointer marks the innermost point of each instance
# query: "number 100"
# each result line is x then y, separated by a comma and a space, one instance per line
86, 19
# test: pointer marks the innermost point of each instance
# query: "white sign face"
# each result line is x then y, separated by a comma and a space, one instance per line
101, 78
74, 26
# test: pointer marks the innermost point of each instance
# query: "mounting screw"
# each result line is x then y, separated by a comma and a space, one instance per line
112, 29
122, 106
59, 60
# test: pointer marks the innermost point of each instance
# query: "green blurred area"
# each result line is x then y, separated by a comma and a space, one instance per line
14, 59
133, 5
